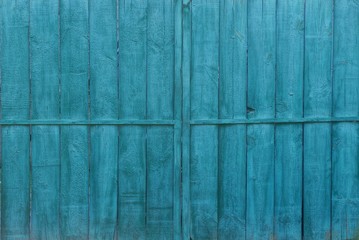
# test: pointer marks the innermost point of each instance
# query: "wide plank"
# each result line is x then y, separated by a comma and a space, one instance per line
15, 96
45, 140
74, 56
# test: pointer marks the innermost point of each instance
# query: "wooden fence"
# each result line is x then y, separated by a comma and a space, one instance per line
170, 119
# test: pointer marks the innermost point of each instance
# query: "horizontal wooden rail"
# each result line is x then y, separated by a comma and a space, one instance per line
273, 121
173, 122
87, 122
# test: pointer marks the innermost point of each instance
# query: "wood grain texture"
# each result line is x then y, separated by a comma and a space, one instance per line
317, 137
159, 147
132, 105
45, 154
261, 104
204, 104
15, 76
104, 105
186, 116
289, 103
232, 104
345, 169
74, 105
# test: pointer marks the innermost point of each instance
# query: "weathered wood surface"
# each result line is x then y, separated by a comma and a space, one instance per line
179, 119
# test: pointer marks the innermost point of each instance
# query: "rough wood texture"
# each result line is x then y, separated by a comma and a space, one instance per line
74, 105
179, 119
232, 104
132, 105
15, 90
317, 103
345, 150
204, 104
261, 104
288, 138
45, 152
104, 105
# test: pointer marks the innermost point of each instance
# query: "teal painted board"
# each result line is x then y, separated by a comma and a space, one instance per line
15, 75
317, 137
289, 104
186, 115
104, 105
45, 140
204, 177
177, 114
159, 146
74, 202
159, 199
232, 104
132, 183
345, 151
132, 105
204, 104
261, 104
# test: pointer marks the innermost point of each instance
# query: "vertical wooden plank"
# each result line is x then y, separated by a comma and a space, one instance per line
204, 104
317, 137
261, 104
160, 86
44, 46
15, 198
104, 105
132, 139
186, 109
288, 139
232, 104
345, 189
177, 184
74, 102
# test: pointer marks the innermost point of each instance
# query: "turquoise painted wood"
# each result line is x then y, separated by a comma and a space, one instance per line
345, 140
74, 176
261, 104
232, 104
103, 162
179, 119
15, 96
45, 140
317, 103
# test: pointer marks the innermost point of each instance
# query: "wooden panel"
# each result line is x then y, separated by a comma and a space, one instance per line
15, 89
204, 104
232, 104
345, 190
317, 137
288, 139
186, 127
261, 104
104, 105
74, 105
45, 155
132, 105
159, 147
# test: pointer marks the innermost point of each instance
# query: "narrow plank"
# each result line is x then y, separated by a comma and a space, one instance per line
345, 151
204, 104
74, 101
15, 183
186, 6
177, 183
132, 105
317, 137
104, 105
44, 39
232, 104
160, 86
261, 104
288, 139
